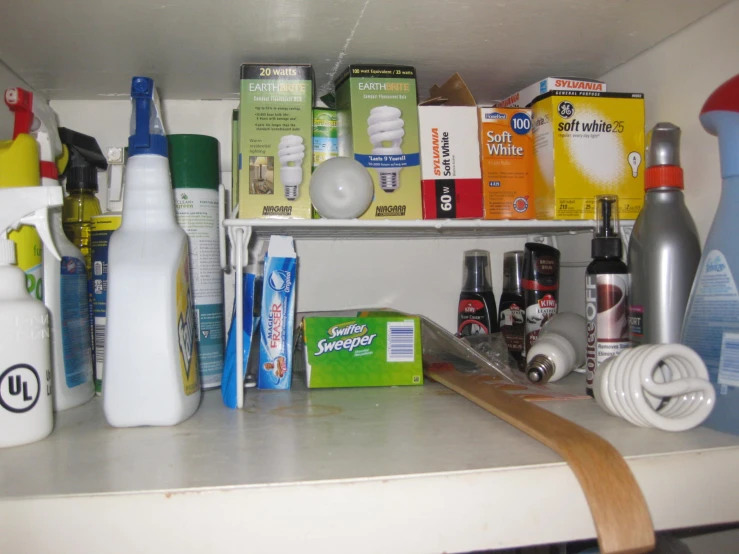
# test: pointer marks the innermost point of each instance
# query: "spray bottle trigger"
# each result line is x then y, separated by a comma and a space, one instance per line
40, 220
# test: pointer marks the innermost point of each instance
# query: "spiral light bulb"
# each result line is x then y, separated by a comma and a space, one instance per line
386, 134
291, 152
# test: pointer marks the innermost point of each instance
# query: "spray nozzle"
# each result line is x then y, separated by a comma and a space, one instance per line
85, 158
147, 129
30, 206
720, 117
607, 241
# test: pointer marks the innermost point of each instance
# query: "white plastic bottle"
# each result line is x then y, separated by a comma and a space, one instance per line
560, 348
25, 346
151, 362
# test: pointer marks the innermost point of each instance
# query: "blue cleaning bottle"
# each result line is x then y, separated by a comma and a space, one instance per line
711, 324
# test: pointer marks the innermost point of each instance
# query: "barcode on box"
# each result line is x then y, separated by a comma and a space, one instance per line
728, 366
401, 340
100, 324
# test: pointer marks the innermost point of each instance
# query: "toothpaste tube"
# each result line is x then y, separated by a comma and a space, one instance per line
278, 315
252, 286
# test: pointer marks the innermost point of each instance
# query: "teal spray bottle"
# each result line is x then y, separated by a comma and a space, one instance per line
711, 325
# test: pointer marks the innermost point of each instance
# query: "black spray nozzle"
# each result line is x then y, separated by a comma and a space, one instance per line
607, 241
85, 158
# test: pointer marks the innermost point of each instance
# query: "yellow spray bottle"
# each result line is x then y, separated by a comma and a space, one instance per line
19, 167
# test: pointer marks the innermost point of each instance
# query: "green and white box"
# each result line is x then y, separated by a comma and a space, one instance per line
276, 140
374, 351
377, 110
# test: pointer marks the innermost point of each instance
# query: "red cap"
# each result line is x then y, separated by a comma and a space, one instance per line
20, 102
724, 98
663, 176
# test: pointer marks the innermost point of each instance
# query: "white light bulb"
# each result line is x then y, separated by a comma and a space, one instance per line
291, 152
341, 188
386, 134
634, 161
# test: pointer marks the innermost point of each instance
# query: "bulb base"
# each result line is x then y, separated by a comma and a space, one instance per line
540, 369
389, 182
291, 192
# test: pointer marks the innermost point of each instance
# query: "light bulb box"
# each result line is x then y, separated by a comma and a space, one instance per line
377, 112
275, 140
372, 349
451, 182
524, 98
587, 144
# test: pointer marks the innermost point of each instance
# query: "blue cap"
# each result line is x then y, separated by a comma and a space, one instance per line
148, 131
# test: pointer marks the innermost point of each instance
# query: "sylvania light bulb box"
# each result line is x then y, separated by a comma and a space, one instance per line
278, 315
450, 153
362, 350
524, 98
377, 115
275, 141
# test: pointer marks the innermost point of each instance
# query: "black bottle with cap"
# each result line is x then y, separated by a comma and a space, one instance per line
477, 313
606, 290
512, 315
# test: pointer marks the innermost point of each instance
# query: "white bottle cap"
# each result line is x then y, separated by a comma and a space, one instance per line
7, 252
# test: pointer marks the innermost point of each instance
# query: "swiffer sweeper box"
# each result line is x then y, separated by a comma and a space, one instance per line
275, 140
363, 350
377, 110
587, 144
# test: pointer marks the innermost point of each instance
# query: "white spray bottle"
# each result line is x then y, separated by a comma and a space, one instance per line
25, 345
151, 360
65, 279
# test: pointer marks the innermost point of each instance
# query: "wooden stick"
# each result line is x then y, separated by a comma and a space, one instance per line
617, 505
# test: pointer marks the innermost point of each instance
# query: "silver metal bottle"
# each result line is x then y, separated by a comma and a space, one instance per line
664, 250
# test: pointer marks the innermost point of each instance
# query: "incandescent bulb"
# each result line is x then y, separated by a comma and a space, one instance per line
341, 188
385, 129
291, 152
634, 161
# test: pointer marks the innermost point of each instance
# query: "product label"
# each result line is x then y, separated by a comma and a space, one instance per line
362, 352
711, 322
28, 251
473, 318
512, 325
276, 140
325, 136
538, 313
506, 142
606, 301
446, 198
636, 324
197, 214
102, 229
75, 318
277, 321
188, 346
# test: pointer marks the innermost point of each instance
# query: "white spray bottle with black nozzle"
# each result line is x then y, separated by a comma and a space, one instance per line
151, 355
25, 345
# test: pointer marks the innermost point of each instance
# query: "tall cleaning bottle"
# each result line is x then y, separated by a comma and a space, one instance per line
151, 358
19, 168
65, 280
664, 249
711, 325
25, 345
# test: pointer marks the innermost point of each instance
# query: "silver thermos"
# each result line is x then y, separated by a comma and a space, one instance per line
664, 250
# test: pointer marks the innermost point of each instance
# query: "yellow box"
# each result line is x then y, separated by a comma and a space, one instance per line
586, 144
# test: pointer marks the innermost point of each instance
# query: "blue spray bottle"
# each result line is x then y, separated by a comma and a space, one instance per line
711, 324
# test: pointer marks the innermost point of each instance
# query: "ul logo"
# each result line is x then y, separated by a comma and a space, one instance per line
20, 388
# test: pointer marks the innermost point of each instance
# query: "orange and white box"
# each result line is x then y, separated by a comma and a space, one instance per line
507, 158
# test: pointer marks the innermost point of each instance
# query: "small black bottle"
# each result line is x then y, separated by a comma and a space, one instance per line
606, 291
477, 313
512, 317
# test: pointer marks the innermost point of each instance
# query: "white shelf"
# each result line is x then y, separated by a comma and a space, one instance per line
425, 228
405, 469
193, 50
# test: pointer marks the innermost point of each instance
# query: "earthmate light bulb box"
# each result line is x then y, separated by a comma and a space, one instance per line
587, 144
507, 152
368, 350
275, 140
277, 319
377, 111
